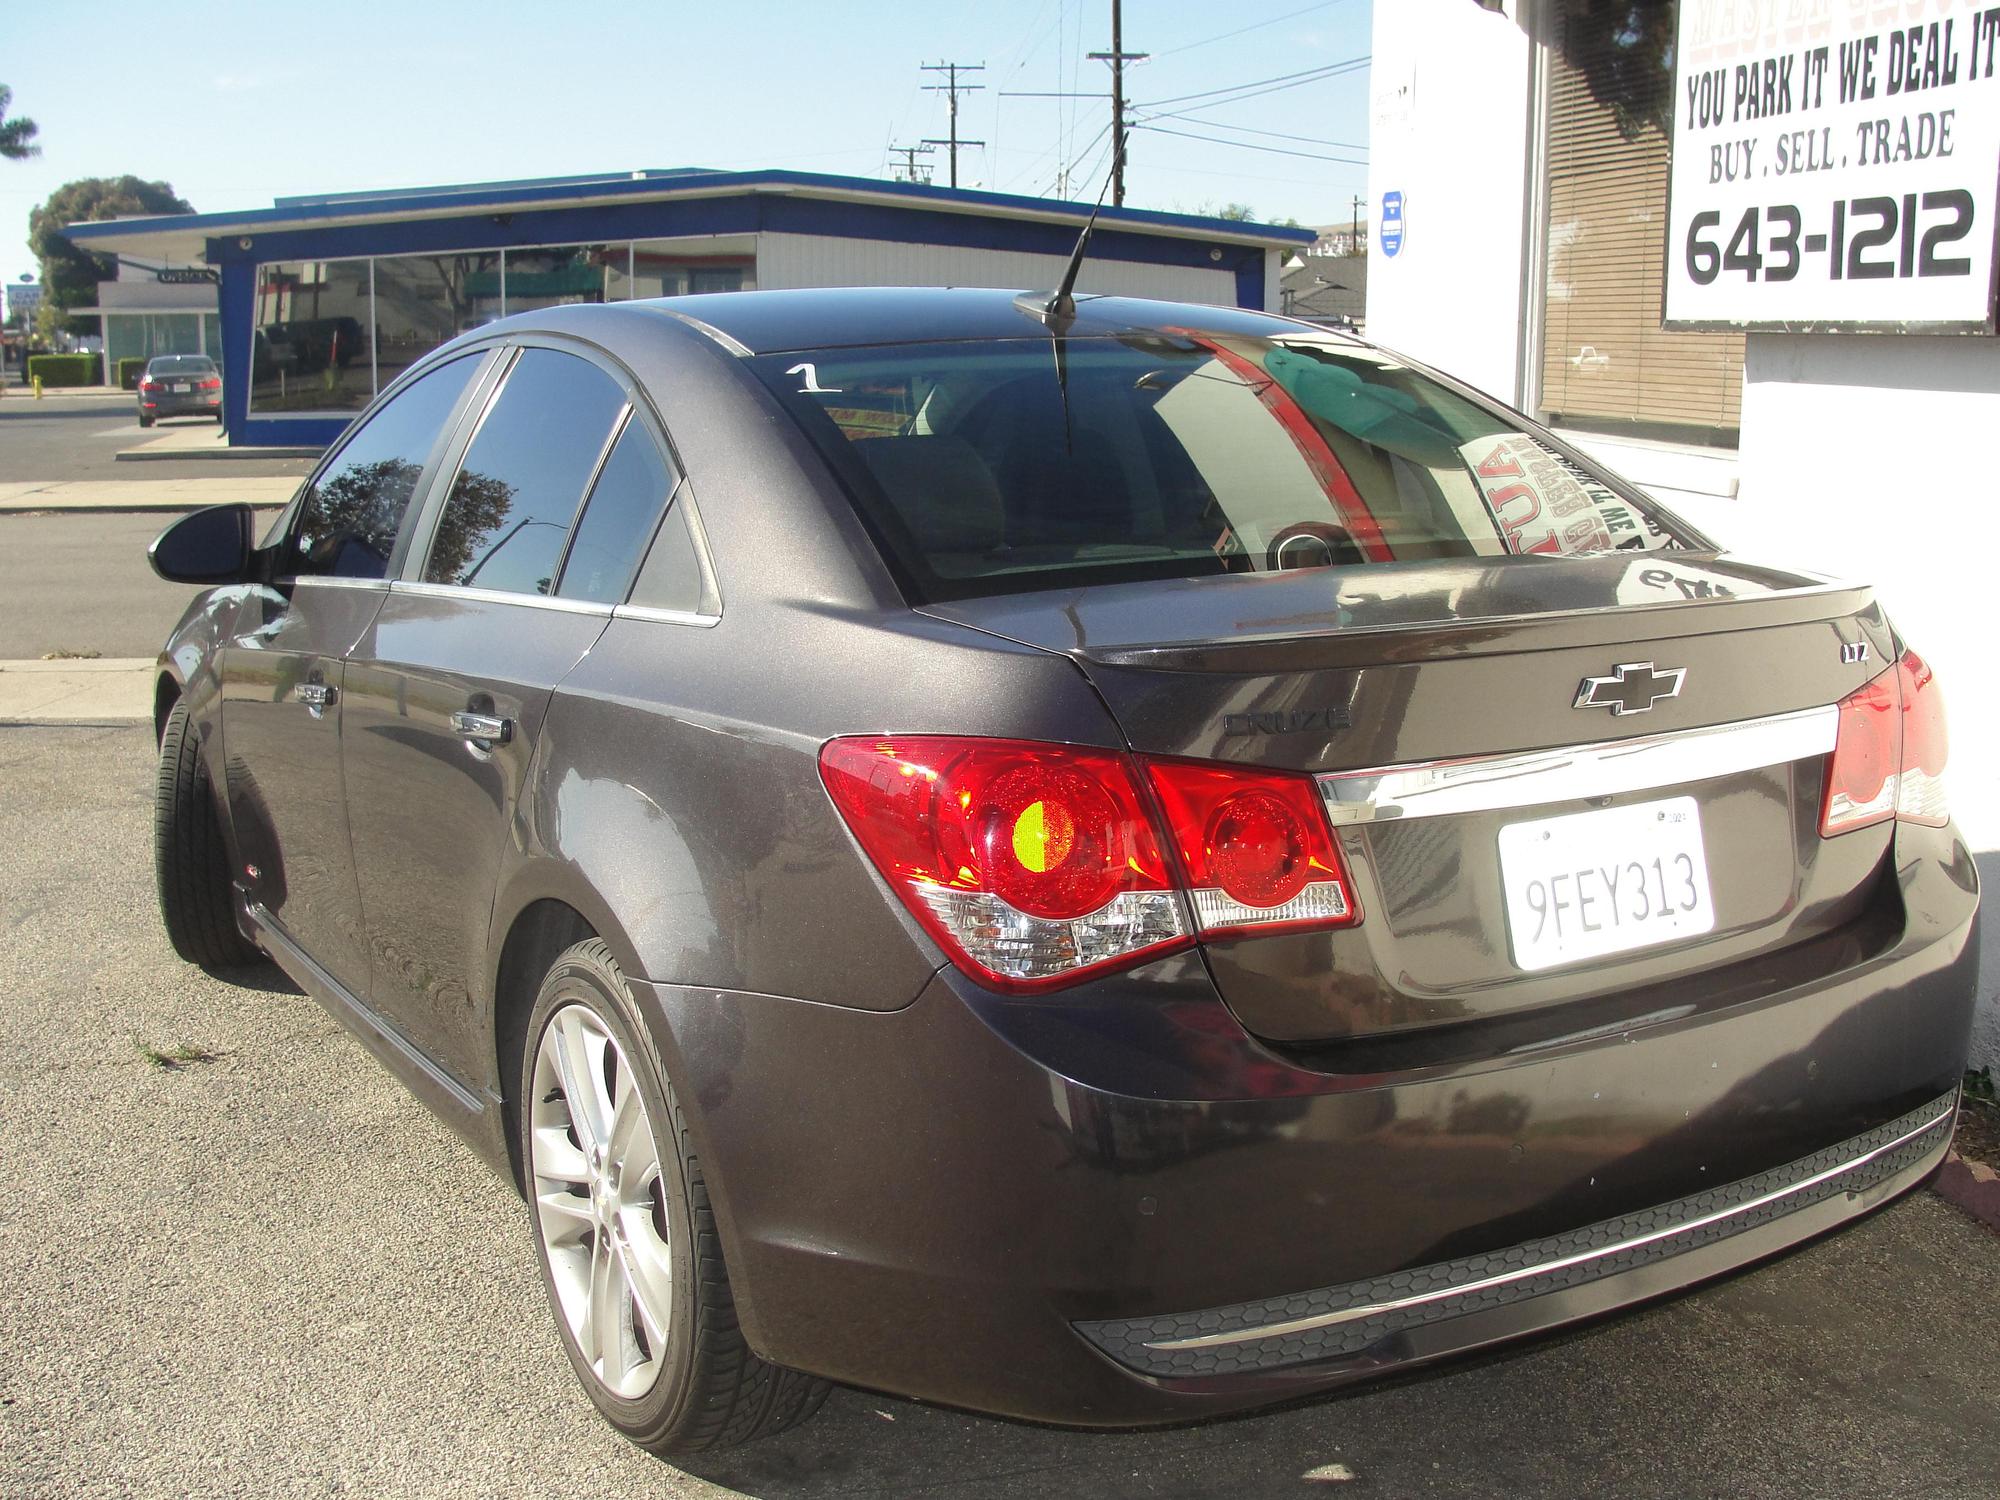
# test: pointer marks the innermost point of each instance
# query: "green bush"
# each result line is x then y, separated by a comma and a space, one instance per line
129, 371
63, 369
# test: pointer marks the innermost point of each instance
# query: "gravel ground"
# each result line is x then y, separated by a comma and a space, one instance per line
272, 1274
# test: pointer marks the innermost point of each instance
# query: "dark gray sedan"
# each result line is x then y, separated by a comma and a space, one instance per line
1106, 863
179, 385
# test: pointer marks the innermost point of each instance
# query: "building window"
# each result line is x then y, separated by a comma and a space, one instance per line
558, 275
422, 301
1606, 363
327, 335
309, 342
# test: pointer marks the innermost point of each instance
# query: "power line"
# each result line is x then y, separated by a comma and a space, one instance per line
1217, 140
1289, 80
1253, 26
1282, 135
952, 89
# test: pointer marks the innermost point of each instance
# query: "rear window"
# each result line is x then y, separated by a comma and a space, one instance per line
1002, 466
181, 364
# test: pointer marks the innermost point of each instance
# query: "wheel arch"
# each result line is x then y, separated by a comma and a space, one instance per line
540, 914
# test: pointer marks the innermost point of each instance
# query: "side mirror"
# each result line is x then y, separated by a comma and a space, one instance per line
209, 547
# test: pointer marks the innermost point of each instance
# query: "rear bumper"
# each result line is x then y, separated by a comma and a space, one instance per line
182, 406
1046, 1208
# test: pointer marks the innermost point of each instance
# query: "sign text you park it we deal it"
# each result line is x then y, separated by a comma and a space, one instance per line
1836, 165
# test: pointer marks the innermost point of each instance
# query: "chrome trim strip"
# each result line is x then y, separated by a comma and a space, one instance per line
664, 616
1493, 783
498, 596
709, 331
350, 1008
1547, 1267
334, 581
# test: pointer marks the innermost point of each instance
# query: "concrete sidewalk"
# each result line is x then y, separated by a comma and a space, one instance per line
143, 494
94, 690
207, 443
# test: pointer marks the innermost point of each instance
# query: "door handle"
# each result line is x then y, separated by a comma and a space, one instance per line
318, 697
483, 730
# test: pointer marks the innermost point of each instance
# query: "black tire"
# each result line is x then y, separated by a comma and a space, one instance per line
146, 421
712, 1391
189, 857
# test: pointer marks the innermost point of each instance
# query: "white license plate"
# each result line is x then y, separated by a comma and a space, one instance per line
1593, 883
178, 385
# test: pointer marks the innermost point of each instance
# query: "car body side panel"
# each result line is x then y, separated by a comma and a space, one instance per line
430, 811
683, 787
281, 670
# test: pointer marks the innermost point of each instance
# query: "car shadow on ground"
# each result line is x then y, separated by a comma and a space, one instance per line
264, 978
863, 1444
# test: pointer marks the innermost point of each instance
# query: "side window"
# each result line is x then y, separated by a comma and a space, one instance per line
515, 495
671, 578
348, 518
619, 519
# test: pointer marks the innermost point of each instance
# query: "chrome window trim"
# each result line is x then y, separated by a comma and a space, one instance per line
1605, 768
664, 616
332, 581
1560, 1263
425, 590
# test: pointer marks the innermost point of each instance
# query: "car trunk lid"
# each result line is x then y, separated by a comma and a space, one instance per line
1447, 708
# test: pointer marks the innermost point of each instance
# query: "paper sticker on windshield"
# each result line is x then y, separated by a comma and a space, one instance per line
1543, 503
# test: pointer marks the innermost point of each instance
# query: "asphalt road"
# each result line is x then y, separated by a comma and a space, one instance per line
274, 1274
81, 583
78, 437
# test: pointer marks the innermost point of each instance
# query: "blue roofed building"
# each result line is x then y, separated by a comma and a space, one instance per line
323, 300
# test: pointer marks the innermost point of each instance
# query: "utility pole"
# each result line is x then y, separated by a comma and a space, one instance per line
1118, 57
1358, 236
952, 89
911, 170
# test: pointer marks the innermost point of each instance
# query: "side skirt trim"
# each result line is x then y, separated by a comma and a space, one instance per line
442, 1092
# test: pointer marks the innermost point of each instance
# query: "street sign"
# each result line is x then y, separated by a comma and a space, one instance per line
1389, 232
1837, 171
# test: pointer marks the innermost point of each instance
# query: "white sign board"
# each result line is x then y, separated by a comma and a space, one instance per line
1836, 164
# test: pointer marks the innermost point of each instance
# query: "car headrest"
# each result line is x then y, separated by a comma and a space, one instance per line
941, 488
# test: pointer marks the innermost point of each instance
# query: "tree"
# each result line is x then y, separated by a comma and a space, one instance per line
70, 275
17, 135
1624, 49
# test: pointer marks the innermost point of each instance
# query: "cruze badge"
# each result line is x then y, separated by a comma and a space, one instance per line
1632, 688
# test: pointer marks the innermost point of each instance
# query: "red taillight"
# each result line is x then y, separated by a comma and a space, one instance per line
210, 384
1888, 757
1920, 792
149, 385
1031, 864
1034, 864
1255, 846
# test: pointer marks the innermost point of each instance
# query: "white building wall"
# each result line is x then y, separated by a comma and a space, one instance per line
1873, 456
1449, 130
802, 260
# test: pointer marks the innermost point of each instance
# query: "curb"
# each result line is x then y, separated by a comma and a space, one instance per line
210, 456
1970, 1185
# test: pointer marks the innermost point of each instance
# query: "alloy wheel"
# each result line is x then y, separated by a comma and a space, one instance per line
600, 1201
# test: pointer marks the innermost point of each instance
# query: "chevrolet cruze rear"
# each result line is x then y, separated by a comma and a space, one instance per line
1103, 865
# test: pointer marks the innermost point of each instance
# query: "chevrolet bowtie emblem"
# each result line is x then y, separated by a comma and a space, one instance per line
1632, 688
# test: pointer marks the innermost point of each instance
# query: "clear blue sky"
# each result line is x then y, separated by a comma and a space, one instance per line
234, 103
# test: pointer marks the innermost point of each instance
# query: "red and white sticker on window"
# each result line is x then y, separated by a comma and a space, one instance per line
1543, 504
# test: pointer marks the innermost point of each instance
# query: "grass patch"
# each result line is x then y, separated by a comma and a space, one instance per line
175, 1056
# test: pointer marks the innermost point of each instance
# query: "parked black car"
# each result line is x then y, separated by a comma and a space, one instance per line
1105, 863
179, 385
